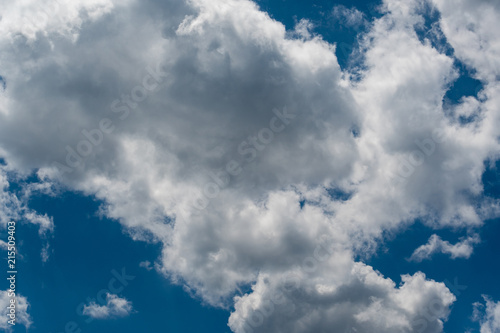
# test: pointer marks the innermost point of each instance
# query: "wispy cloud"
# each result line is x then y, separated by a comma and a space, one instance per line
21, 315
435, 244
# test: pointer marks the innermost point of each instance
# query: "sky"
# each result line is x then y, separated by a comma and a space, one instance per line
250, 166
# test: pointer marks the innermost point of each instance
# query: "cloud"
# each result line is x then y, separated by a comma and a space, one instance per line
146, 264
303, 29
30, 18
21, 304
361, 301
349, 17
45, 253
114, 307
469, 27
489, 316
435, 244
13, 208
213, 131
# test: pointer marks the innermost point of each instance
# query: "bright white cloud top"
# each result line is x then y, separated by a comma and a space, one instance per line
207, 127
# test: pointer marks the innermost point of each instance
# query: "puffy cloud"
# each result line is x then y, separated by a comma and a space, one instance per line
407, 144
21, 305
212, 130
469, 27
114, 307
489, 316
462, 249
29, 18
359, 301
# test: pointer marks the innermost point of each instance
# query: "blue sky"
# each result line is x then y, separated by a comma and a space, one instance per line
346, 167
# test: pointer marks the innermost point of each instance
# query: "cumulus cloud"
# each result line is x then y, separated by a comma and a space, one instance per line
29, 18
360, 300
14, 207
435, 244
114, 307
488, 315
21, 304
215, 132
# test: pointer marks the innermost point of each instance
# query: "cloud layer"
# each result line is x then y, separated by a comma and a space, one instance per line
114, 307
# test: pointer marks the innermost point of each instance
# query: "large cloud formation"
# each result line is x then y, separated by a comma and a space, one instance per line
252, 156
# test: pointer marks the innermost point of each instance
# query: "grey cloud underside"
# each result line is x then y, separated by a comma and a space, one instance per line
228, 72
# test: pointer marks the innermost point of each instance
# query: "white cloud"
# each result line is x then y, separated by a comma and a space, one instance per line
44, 222
45, 253
359, 300
435, 244
225, 66
114, 307
489, 316
350, 17
470, 27
30, 18
303, 29
10, 205
146, 264
16, 209
21, 313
